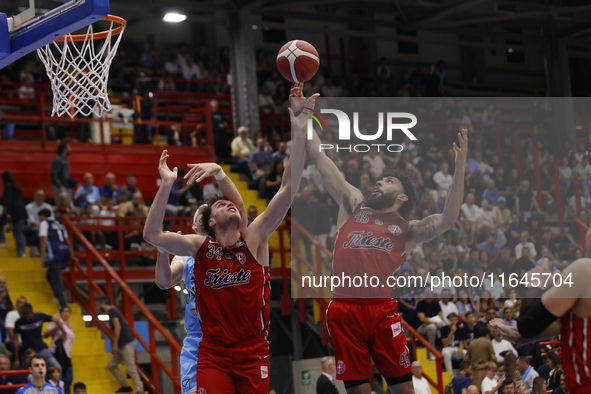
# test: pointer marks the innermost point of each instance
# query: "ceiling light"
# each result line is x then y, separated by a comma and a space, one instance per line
173, 17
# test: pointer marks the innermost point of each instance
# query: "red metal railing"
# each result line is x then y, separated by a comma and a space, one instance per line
13, 372
129, 301
182, 109
414, 337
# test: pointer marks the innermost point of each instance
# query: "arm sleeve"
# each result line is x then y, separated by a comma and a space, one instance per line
43, 229
46, 318
180, 260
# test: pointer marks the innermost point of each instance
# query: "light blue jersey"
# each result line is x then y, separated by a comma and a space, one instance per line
192, 324
190, 350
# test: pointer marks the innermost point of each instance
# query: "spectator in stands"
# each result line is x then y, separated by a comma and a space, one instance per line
509, 386
273, 83
218, 124
129, 189
447, 306
525, 201
122, 347
273, 181
501, 346
527, 371
453, 344
420, 384
191, 71
109, 211
260, 161
14, 210
442, 177
513, 231
177, 200
60, 172
64, 205
79, 388
87, 193
9, 379
490, 385
61, 345
211, 188
481, 355
281, 153
242, 149
5, 301
524, 242
29, 327
539, 385
33, 208
472, 262
462, 381
137, 208
556, 370
491, 193
490, 246
465, 303
472, 213
431, 317
266, 101
325, 383
501, 214
562, 388
54, 377
56, 251
110, 189
11, 318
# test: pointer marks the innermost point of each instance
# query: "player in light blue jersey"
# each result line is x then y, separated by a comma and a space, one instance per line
182, 268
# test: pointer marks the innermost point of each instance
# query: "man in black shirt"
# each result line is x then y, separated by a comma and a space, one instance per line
218, 125
122, 347
430, 315
453, 342
525, 201
469, 329
29, 326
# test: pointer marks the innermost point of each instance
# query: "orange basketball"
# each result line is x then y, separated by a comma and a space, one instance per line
298, 61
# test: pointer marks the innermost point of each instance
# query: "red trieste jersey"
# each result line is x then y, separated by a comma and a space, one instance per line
371, 243
576, 352
233, 292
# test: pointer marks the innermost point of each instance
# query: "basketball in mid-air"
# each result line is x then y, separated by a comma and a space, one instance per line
298, 61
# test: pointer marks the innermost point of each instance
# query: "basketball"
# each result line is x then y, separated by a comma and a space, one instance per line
298, 61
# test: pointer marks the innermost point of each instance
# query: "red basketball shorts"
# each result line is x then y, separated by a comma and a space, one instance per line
362, 331
238, 368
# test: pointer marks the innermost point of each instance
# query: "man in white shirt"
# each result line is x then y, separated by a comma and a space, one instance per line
473, 213
11, 318
447, 306
501, 345
442, 177
33, 208
523, 242
420, 384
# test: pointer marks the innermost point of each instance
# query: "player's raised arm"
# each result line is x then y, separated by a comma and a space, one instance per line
267, 222
181, 245
433, 225
200, 171
345, 194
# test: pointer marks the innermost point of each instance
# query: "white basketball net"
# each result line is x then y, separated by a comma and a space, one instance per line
79, 72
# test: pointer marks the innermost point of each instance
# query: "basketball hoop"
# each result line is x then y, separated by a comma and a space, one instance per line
79, 73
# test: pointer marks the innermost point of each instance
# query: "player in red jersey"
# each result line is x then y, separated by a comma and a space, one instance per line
232, 274
374, 238
564, 310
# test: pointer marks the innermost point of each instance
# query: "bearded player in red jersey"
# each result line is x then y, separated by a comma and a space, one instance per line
373, 238
232, 273
564, 310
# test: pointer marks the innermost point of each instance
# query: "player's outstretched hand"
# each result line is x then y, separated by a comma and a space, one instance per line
296, 95
462, 150
166, 174
200, 171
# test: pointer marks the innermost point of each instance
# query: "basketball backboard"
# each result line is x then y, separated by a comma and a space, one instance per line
27, 25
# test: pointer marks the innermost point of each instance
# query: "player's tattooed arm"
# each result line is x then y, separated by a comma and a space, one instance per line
434, 225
